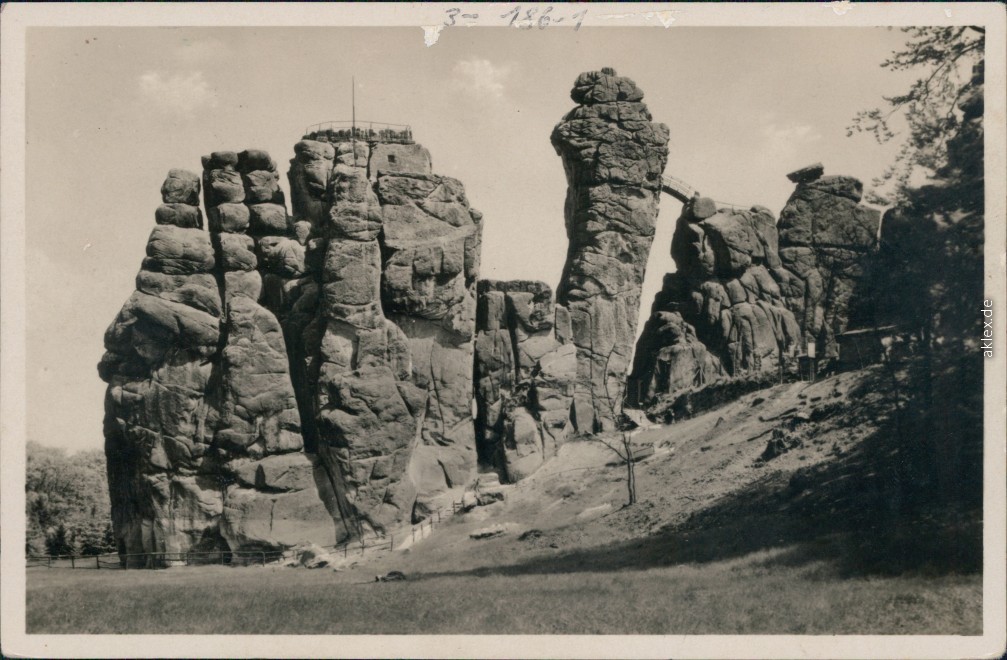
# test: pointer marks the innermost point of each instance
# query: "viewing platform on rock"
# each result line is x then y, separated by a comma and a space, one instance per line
365, 131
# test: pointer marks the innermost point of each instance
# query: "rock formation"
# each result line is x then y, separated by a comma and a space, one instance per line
749, 294
525, 368
722, 312
382, 325
826, 237
282, 379
613, 156
202, 432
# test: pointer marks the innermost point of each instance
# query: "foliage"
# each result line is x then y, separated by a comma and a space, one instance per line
927, 279
929, 106
66, 500
59, 542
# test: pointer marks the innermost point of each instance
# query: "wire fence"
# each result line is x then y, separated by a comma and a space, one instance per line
222, 557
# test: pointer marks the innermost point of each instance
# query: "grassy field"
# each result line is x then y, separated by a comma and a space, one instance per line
755, 594
834, 536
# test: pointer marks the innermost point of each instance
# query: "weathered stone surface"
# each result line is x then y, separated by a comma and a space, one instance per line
399, 158
237, 252
375, 293
807, 174
524, 377
309, 174
357, 216
200, 394
179, 215
676, 359
262, 186
267, 220
703, 208
228, 217
283, 256
222, 186
750, 293
178, 251
614, 157
826, 237
181, 187
723, 312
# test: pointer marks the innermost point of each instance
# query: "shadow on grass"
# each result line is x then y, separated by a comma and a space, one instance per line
876, 511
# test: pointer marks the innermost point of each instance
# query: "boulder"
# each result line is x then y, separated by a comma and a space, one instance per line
807, 174
181, 187
267, 220
179, 215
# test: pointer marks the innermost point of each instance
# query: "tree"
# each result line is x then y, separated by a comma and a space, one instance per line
64, 490
930, 107
95, 539
927, 278
621, 448
60, 542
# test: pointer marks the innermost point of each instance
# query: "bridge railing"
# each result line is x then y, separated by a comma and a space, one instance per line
367, 131
683, 192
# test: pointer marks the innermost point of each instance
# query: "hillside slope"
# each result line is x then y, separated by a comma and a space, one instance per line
808, 469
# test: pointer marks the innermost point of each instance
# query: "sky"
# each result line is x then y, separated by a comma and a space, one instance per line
111, 110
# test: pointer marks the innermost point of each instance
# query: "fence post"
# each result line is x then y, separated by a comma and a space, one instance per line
71, 562
346, 550
97, 561
414, 534
48, 561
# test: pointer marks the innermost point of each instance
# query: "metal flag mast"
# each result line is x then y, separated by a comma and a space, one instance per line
353, 121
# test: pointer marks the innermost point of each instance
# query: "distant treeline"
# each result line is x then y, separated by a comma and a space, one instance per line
67, 505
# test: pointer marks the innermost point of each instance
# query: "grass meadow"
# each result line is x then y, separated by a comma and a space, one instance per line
752, 595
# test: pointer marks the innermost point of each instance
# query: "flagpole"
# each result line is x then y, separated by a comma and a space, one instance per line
353, 128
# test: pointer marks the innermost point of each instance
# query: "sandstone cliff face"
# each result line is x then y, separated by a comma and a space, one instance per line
525, 369
722, 312
281, 378
614, 157
749, 293
826, 238
202, 431
387, 357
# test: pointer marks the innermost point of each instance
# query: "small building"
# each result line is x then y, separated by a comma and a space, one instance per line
862, 347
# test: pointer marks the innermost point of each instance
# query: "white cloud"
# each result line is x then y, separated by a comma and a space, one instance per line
785, 144
481, 78
179, 94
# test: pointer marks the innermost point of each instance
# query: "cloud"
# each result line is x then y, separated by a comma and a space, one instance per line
785, 143
179, 94
481, 78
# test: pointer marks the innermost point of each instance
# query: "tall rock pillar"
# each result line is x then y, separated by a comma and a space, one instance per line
614, 156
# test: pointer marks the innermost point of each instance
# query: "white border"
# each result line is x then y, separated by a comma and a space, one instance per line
15, 19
